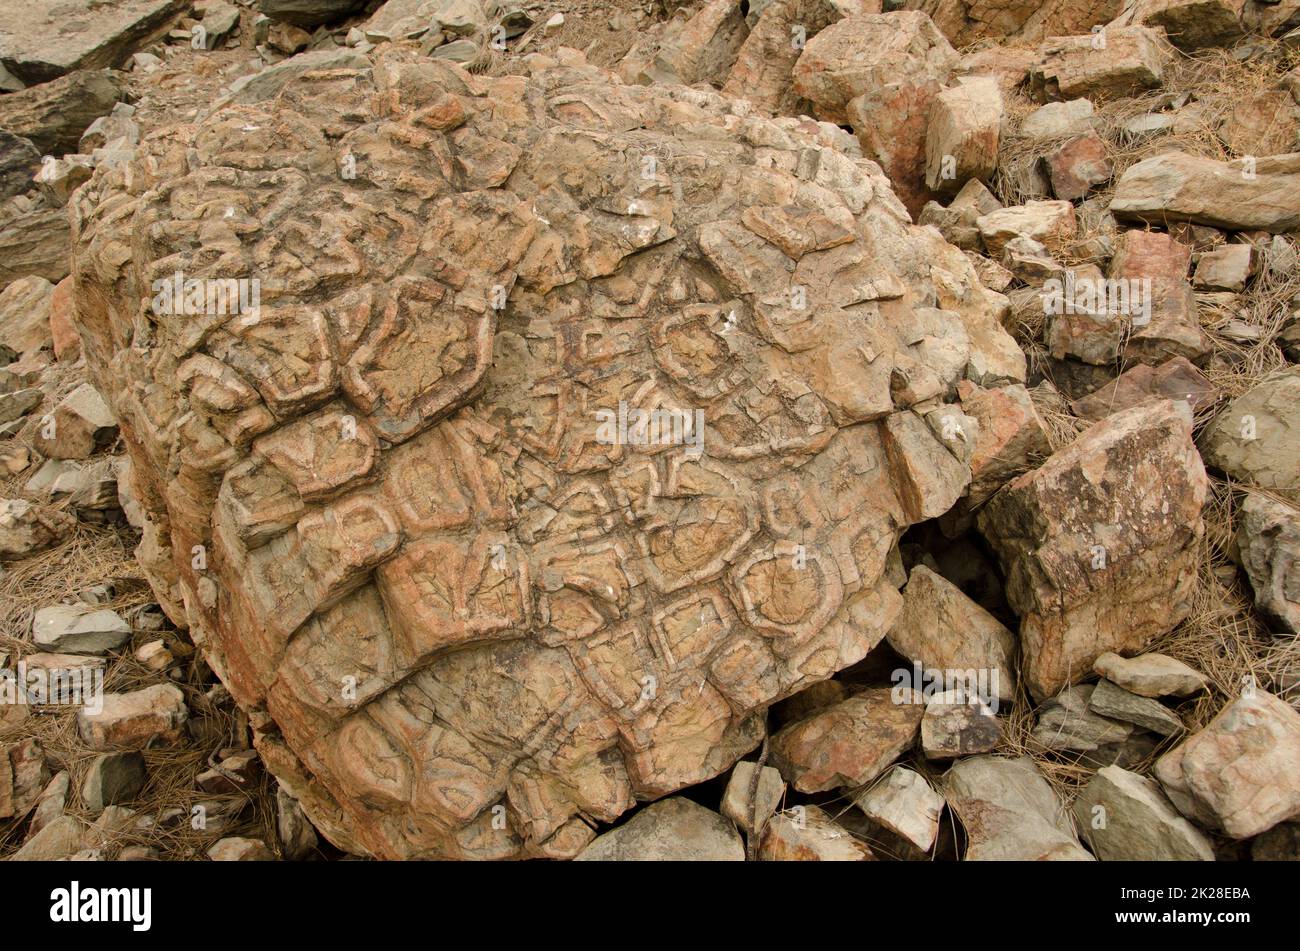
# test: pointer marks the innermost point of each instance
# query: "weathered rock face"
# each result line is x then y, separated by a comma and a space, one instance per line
1010, 812
1269, 545
1252, 438
397, 518
1240, 774
42, 39
1099, 542
964, 21
1175, 186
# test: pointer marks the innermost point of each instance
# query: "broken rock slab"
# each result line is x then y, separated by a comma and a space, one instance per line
671, 830
1150, 675
851, 743
1113, 63
1253, 437
1268, 546
905, 803
79, 629
1175, 379
1125, 817
43, 39
27, 528
962, 138
943, 630
1261, 194
808, 834
82, 424
1241, 773
1048, 222
1099, 543
53, 115
1116, 703
1066, 723
738, 801
1009, 812
137, 720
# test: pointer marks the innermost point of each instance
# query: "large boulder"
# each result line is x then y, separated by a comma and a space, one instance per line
763, 66
1099, 543
881, 74
399, 500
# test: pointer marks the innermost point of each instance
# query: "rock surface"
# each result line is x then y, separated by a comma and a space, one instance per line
416, 490
672, 830
1099, 543
1252, 439
1010, 812
1125, 817
850, 744
1241, 773
1268, 543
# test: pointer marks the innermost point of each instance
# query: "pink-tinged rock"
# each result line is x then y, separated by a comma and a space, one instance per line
671, 830
1115, 62
1241, 773
1078, 165
81, 425
67, 342
861, 54
1011, 438
943, 630
1099, 544
1163, 319
762, 71
1175, 379
1261, 194
965, 21
880, 74
808, 834
851, 743
1264, 123
1226, 268
133, 721
962, 139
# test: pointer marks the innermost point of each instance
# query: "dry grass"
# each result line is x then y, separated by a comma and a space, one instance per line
93, 555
